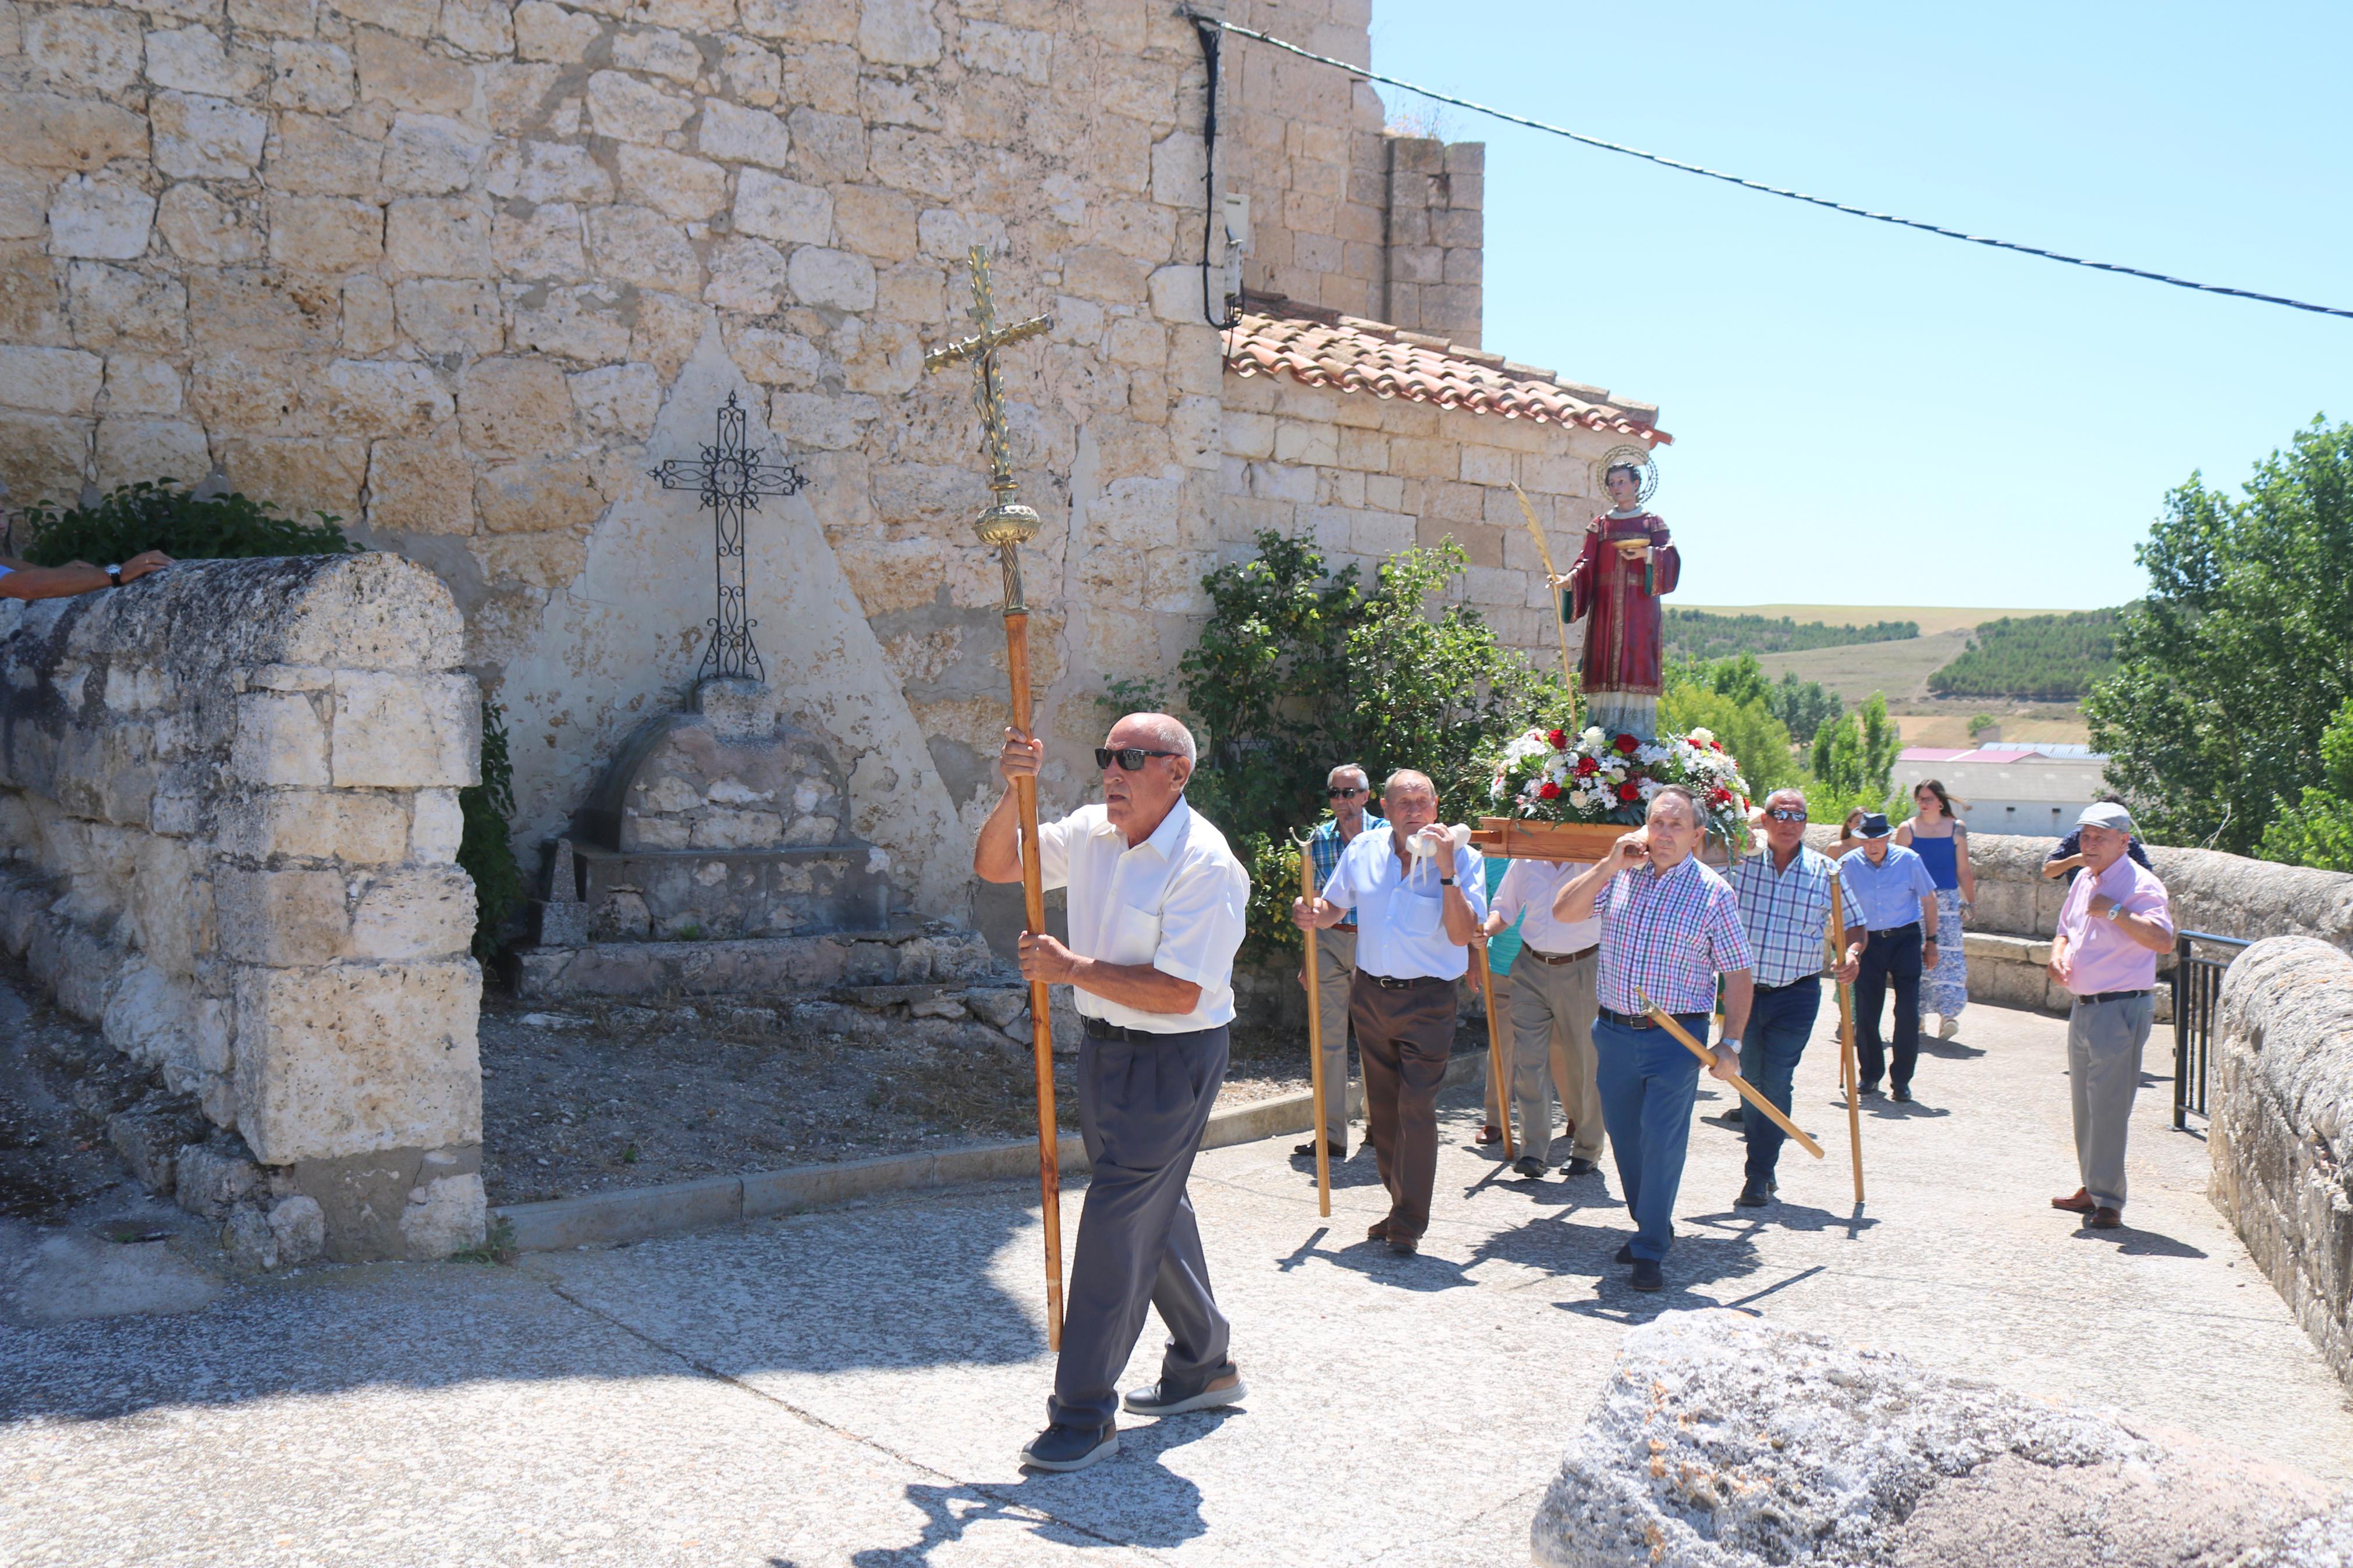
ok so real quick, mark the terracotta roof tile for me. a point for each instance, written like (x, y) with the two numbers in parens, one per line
(1323, 348)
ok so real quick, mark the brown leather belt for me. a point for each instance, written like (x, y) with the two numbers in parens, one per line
(1344, 925)
(1560, 957)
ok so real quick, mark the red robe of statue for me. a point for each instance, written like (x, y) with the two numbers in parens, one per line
(1620, 603)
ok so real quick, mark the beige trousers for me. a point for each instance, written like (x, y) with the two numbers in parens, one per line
(1335, 972)
(1552, 1011)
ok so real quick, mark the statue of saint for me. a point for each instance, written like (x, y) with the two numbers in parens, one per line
(1626, 566)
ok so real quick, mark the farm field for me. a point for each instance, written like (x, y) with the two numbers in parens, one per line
(1933, 618)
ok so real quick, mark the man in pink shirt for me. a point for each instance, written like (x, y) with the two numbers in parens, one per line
(2115, 920)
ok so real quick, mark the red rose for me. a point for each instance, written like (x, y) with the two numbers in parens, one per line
(1629, 790)
(1587, 766)
(1559, 738)
(1547, 790)
(1719, 795)
(1628, 745)
(1718, 745)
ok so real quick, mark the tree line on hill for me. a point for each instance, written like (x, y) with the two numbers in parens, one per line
(2038, 658)
(1704, 635)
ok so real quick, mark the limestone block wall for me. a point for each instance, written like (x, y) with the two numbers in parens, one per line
(1368, 476)
(228, 801)
(1436, 250)
(2281, 1135)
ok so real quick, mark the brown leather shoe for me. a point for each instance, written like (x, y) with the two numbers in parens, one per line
(2079, 1203)
(1491, 1134)
(2106, 1218)
(1404, 1245)
(1377, 1231)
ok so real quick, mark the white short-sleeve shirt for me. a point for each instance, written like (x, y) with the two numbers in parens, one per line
(1400, 924)
(1176, 901)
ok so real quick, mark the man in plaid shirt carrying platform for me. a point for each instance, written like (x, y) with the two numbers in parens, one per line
(1669, 927)
(1785, 908)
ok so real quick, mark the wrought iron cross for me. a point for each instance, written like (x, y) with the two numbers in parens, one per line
(1006, 524)
(731, 478)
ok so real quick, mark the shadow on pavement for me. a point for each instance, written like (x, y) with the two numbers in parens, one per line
(1160, 1508)
(2134, 1243)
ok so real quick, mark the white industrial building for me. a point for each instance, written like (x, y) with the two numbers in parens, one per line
(2008, 789)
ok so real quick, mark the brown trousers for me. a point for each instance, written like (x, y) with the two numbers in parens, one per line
(1404, 1034)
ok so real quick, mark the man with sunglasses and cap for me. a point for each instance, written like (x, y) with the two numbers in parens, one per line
(1891, 936)
(1157, 907)
(1418, 898)
(1785, 908)
(2117, 918)
(1348, 788)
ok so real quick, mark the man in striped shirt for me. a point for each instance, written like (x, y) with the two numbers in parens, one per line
(1669, 927)
(1784, 911)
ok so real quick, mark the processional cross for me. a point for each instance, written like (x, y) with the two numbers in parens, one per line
(731, 478)
(1007, 525)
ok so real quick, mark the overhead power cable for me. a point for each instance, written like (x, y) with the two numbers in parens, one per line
(1760, 187)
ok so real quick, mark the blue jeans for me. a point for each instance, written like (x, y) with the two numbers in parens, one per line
(1777, 1027)
(1648, 1082)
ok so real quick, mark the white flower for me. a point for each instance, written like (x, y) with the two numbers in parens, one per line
(1701, 737)
(1594, 738)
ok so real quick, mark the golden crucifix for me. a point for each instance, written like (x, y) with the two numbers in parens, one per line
(1007, 525)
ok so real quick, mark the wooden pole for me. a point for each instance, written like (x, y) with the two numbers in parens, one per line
(1315, 1045)
(1495, 1052)
(1850, 1070)
(1748, 1091)
(1042, 1011)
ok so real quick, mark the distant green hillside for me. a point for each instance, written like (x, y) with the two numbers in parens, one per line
(1702, 634)
(2041, 659)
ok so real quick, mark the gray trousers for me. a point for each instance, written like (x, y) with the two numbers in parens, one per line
(2104, 1052)
(1143, 1103)
(1553, 1007)
(1336, 971)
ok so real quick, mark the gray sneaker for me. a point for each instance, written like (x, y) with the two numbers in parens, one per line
(1061, 1447)
(1165, 1398)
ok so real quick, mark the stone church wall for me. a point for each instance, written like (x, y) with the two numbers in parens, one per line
(228, 805)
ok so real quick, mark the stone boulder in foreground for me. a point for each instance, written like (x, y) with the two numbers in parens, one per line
(1721, 1442)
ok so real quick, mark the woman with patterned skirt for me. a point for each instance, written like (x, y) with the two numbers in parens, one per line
(1942, 840)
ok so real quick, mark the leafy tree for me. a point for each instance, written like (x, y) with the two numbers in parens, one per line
(1981, 722)
(1732, 698)
(1298, 669)
(485, 844)
(161, 515)
(2042, 659)
(1851, 762)
(2317, 830)
(1804, 706)
(2232, 669)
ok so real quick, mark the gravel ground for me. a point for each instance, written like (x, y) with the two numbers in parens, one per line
(586, 1099)
(59, 1082)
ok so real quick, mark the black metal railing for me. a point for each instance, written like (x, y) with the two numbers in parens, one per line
(2197, 982)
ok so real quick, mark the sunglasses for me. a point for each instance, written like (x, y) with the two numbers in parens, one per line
(1345, 794)
(1131, 758)
(1783, 813)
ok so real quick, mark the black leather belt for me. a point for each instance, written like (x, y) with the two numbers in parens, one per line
(1630, 1020)
(1101, 1029)
(2110, 995)
(1527, 951)
(1792, 985)
(1896, 931)
(1388, 984)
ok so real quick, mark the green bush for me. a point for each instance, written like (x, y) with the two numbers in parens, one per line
(161, 515)
(1851, 762)
(1298, 669)
(486, 846)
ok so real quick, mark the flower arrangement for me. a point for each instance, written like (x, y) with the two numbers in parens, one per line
(1559, 776)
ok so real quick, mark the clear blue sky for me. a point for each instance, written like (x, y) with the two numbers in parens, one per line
(1868, 416)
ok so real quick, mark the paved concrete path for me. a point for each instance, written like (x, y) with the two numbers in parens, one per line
(849, 1388)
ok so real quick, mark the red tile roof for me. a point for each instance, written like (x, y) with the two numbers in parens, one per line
(1323, 348)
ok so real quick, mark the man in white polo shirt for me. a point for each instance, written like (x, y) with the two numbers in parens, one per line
(1553, 1007)
(1156, 908)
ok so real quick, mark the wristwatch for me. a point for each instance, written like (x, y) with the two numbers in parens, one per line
(2116, 912)
(114, 576)
(1446, 881)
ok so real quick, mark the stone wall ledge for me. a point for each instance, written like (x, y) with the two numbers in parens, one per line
(2280, 1131)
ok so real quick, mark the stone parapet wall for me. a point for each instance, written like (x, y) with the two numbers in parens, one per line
(228, 797)
(2281, 1133)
